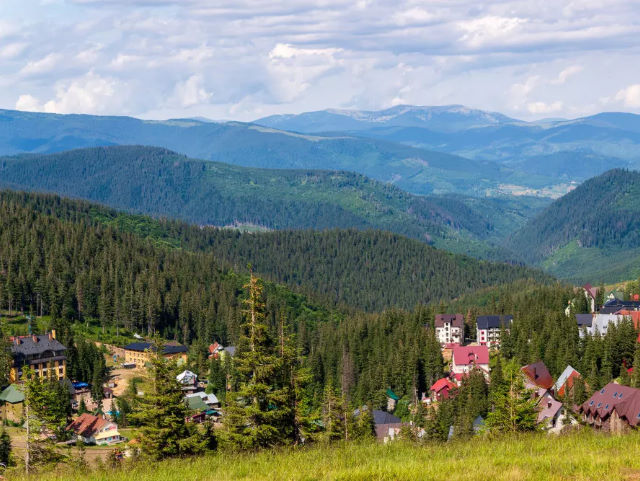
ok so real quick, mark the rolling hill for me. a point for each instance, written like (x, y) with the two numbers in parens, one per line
(592, 233)
(159, 182)
(367, 270)
(413, 169)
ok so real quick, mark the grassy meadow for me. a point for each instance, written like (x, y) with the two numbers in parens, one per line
(581, 456)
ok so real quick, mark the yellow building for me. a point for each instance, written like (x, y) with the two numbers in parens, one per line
(139, 353)
(44, 354)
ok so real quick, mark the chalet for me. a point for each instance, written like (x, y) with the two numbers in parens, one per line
(564, 384)
(466, 358)
(552, 415)
(209, 400)
(449, 328)
(42, 353)
(214, 350)
(488, 329)
(537, 378)
(387, 425)
(598, 410)
(94, 430)
(441, 389)
(139, 353)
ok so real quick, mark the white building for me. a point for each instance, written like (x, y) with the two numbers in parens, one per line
(488, 329)
(449, 328)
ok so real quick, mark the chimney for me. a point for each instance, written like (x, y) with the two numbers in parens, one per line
(17, 341)
(549, 403)
(50, 336)
(53, 333)
(34, 337)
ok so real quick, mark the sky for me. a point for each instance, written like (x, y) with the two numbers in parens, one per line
(245, 59)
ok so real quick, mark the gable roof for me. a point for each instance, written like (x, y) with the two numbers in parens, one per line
(538, 374)
(30, 345)
(592, 291)
(602, 402)
(392, 395)
(441, 384)
(584, 320)
(494, 322)
(566, 378)
(629, 408)
(383, 417)
(196, 403)
(465, 355)
(548, 407)
(144, 346)
(86, 425)
(12, 394)
(456, 320)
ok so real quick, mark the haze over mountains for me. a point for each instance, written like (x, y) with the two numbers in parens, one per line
(458, 167)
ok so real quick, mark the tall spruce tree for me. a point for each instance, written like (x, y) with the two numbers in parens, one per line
(258, 413)
(162, 414)
(514, 407)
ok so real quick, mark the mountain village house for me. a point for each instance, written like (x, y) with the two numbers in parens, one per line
(449, 328)
(613, 408)
(139, 353)
(94, 430)
(488, 329)
(466, 358)
(42, 353)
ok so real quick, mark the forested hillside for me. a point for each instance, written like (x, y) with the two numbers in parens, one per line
(162, 183)
(369, 270)
(592, 232)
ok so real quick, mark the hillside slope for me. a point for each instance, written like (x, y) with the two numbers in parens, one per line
(415, 170)
(591, 233)
(369, 270)
(162, 183)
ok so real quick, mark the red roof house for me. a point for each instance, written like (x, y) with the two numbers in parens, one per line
(537, 376)
(441, 389)
(466, 358)
(612, 408)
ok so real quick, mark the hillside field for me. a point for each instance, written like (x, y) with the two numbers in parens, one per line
(581, 456)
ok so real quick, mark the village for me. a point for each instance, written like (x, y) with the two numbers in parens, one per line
(95, 419)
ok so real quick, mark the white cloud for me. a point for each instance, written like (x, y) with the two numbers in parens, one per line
(630, 96)
(191, 91)
(480, 31)
(545, 108)
(89, 94)
(566, 73)
(28, 103)
(43, 65)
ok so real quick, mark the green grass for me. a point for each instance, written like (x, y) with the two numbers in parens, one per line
(581, 456)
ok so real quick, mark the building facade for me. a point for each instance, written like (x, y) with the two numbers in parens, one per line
(42, 353)
(449, 328)
(139, 353)
(488, 329)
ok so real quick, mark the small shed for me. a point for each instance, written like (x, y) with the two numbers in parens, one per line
(12, 399)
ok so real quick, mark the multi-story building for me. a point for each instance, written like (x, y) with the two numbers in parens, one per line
(488, 329)
(139, 353)
(42, 353)
(449, 328)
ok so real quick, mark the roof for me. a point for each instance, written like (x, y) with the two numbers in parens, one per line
(633, 315)
(87, 424)
(441, 384)
(195, 403)
(584, 320)
(602, 402)
(629, 408)
(187, 377)
(231, 350)
(144, 346)
(592, 291)
(548, 408)
(383, 417)
(615, 305)
(214, 347)
(494, 322)
(12, 394)
(392, 395)
(538, 374)
(567, 377)
(465, 355)
(206, 398)
(456, 320)
(30, 345)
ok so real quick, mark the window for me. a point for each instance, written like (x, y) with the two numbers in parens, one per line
(591, 403)
(615, 394)
(606, 406)
(602, 392)
(620, 396)
(599, 404)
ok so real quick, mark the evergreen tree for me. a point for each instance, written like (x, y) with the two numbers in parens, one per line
(5, 447)
(6, 360)
(162, 414)
(258, 413)
(514, 407)
(333, 420)
(635, 375)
